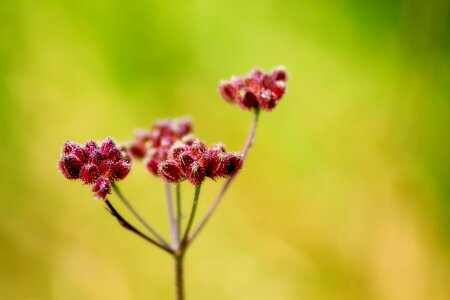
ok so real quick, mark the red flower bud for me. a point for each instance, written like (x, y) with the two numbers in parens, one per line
(89, 173)
(90, 147)
(170, 171)
(197, 174)
(256, 90)
(233, 163)
(186, 160)
(198, 148)
(137, 149)
(279, 74)
(110, 151)
(107, 169)
(102, 188)
(217, 162)
(70, 166)
(176, 150)
(121, 170)
(228, 91)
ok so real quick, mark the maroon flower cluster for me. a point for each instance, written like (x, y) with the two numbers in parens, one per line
(95, 165)
(256, 90)
(154, 145)
(173, 153)
(193, 161)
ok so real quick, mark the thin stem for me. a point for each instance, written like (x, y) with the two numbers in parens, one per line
(191, 217)
(248, 144)
(173, 221)
(178, 193)
(179, 280)
(138, 216)
(125, 224)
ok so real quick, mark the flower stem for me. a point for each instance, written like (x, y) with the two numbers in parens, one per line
(191, 217)
(248, 144)
(178, 194)
(179, 280)
(173, 221)
(138, 216)
(125, 224)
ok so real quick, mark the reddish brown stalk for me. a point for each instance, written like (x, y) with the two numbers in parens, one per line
(125, 224)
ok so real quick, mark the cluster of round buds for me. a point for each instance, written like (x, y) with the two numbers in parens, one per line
(95, 165)
(256, 90)
(154, 145)
(193, 161)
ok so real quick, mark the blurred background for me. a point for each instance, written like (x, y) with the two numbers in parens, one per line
(346, 194)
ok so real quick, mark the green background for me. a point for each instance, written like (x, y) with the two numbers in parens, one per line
(344, 196)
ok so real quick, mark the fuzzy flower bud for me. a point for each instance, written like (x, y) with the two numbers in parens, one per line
(256, 90)
(170, 171)
(102, 188)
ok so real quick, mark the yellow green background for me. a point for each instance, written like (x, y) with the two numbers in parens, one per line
(346, 194)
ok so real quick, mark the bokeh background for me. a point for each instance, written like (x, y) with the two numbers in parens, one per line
(346, 194)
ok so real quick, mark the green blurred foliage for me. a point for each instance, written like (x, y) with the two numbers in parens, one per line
(345, 194)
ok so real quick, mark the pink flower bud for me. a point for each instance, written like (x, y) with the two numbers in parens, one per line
(89, 173)
(197, 174)
(170, 171)
(102, 188)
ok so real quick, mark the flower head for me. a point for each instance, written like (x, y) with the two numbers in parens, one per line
(256, 90)
(95, 165)
(194, 162)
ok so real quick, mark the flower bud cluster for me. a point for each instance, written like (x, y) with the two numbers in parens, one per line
(95, 165)
(193, 161)
(154, 145)
(256, 90)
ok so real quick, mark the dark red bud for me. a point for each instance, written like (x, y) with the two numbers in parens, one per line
(152, 165)
(170, 171)
(186, 160)
(107, 169)
(121, 170)
(89, 173)
(176, 150)
(137, 149)
(279, 74)
(198, 148)
(90, 147)
(110, 151)
(102, 188)
(216, 165)
(188, 139)
(95, 157)
(228, 91)
(233, 163)
(183, 127)
(197, 174)
(70, 166)
(248, 99)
